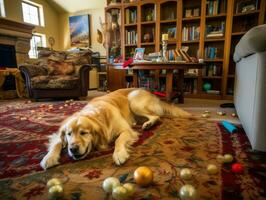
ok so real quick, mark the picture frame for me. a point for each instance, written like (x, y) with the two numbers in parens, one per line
(80, 35)
(243, 6)
(139, 54)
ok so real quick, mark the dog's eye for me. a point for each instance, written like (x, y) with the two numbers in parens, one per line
(83, 133)
(69, 134)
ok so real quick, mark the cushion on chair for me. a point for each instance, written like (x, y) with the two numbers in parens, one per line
(253, 41)
(60, 68)
(55, 82)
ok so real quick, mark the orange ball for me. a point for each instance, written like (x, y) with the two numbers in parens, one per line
(143, 176)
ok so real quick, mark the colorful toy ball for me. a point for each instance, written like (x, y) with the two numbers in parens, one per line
(220, 158)
(52, 182)
(120, 193)
(130, 188)
(186, 174)
(212, 169)
(187, 192)
(143, 176)
(228, 158)
(110, 183)
(55, 187)
(237, 168)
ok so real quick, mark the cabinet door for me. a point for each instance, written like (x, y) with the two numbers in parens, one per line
(116, 79)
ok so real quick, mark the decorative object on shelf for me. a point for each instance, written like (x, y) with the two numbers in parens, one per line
(243, 6)
(139, 54)
(165, 41)
(80, 30)
(51, 42)
(147, 37)
(188, 192)
(207, 86)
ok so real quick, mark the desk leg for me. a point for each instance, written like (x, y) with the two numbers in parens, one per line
(135, 78)
(181, 85)
(169, 84)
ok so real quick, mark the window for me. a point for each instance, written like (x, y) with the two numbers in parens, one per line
(2, 9)
(37, 40)
(32, 13)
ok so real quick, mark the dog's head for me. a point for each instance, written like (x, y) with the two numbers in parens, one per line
(81, 134)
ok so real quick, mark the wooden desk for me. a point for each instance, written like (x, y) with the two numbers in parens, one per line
(169, 67)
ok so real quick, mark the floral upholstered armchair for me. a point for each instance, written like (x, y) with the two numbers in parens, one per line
(58, 74)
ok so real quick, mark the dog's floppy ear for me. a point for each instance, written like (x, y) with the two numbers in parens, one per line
(62, 135)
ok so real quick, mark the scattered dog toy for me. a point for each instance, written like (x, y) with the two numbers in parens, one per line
(229, 127)
(237, 168)
(228, 158)
(186, 174)
(205, 115)
(221, 113)
(110, 183)
(55, 187)
(130, 188)
(143, 176)
(220, 158)
(233, 115)
(187, 192)
(212, 169)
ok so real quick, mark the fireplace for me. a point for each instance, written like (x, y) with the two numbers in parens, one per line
(8, 56)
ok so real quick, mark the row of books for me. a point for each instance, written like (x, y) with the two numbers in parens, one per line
(213, 31)
(190, 33)
(131, 37)
(192, 12)
(211, 52)
(213, 7)
(212, 70)
(177, 55)
(131, 16)
(190, 86)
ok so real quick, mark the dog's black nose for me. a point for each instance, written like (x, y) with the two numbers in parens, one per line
(74, 150)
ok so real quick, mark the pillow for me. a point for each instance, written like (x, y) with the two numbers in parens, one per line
(59, 68)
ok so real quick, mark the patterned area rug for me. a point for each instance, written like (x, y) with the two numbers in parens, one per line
(167, 148)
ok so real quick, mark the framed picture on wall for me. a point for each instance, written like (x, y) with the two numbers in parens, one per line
(80, 35)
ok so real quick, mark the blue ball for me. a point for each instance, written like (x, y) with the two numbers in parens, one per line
(207, 86)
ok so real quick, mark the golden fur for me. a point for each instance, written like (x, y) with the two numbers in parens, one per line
(105, 119)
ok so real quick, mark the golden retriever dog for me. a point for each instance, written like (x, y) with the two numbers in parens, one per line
(107, 119)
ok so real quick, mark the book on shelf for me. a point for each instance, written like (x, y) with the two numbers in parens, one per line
(211, 52)
(213, 7)
(213, 31)
(211, 70)
(190, 86)
(190, 33)
(131, 16)
(192, 12)
(131, 37)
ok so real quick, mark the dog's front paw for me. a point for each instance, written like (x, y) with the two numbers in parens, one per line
(120, 156)
(49, 161)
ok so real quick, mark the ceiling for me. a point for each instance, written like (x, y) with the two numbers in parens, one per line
(72, 6)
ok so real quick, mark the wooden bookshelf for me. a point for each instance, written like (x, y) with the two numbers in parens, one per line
(202, 17)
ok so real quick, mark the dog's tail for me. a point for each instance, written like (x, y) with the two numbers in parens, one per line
(170, 109)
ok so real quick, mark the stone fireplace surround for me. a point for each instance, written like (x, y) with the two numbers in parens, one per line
(18, 35)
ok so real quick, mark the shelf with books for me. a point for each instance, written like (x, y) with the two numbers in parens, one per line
(246, 6)
(190, 42)
(191, 10)
(170, 29)
(131, 15)
(215, 7)
(190, 33)
(215, 29)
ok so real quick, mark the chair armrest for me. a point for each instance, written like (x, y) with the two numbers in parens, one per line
(32, 70)
(84, 74)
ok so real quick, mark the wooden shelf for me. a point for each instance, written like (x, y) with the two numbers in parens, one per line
(130, 45)
(212, 77)
(133, 24)
(148, 22)
(247, 13)
(239, 33)
(148, 43)
(187, 19)
(168, 21)
(167, 14)
(190, 41)
(221, 15)
(214, 40)
(214, 60)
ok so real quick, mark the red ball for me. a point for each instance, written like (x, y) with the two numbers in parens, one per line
(237, 168)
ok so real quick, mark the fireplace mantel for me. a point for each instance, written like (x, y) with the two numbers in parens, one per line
(16, 34)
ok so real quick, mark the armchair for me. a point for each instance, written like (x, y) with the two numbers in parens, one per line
(58, 75)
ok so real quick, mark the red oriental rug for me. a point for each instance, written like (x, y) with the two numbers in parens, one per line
(167, 148)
